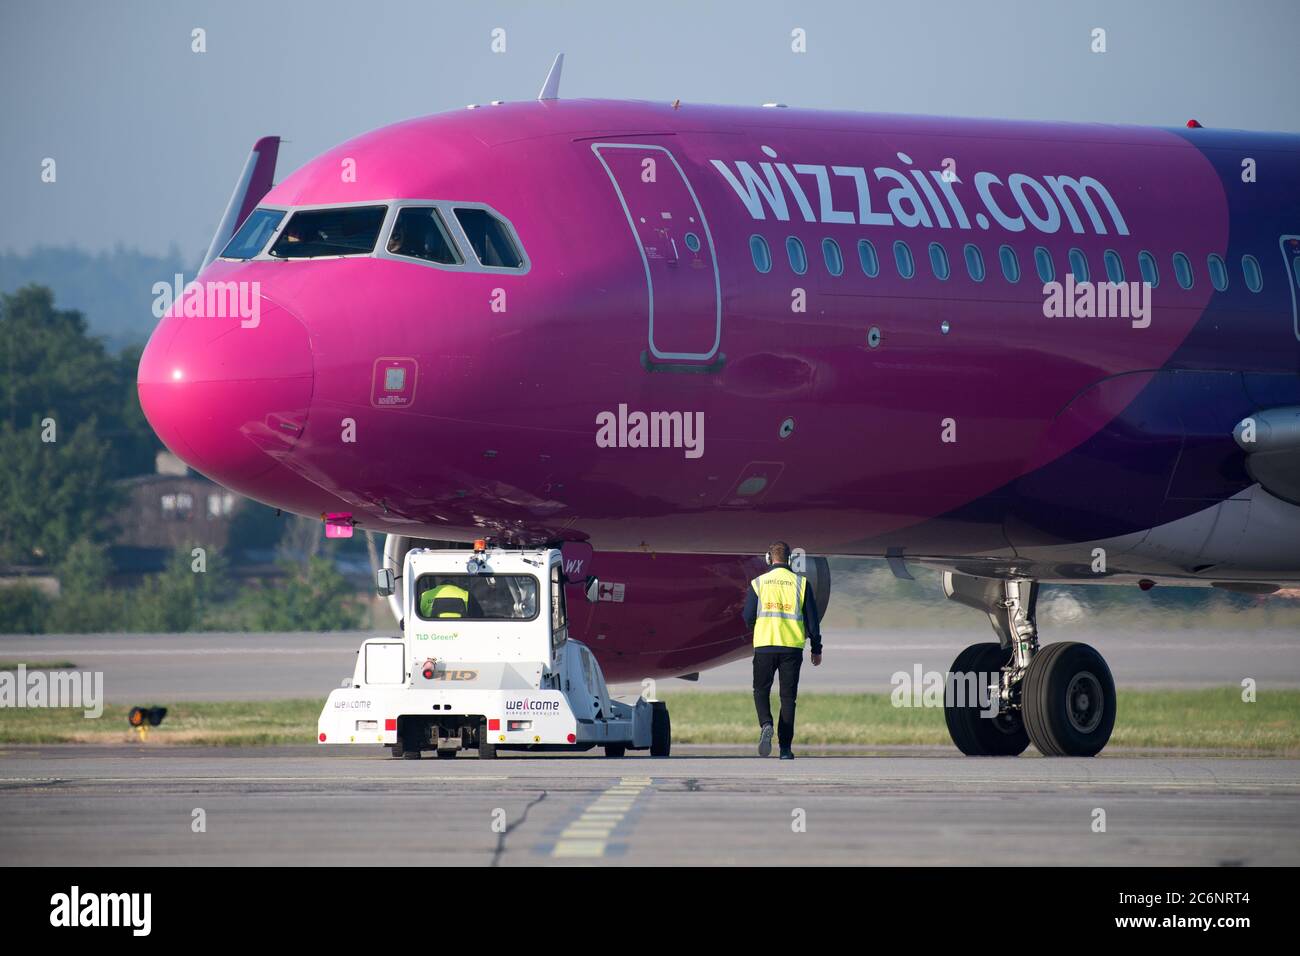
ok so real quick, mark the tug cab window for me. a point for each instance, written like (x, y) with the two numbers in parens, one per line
(490, 239)
(421, 234)
(350, 231)
(559, 610)
(486, 597)
(253, 235)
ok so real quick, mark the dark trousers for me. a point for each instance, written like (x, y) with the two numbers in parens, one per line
(766, 666)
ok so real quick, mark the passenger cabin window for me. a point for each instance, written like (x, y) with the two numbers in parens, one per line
(1078, 265)
(761, 254)
(1147, 266)
(1114, 266)
(1010, 264)
(903, 259)
(939, 261)
(490, 239)
(834, 258)
(1250, 269)
(1183, 270)
(1043, 263)
(1218, 272)
(420, 233)
(974, 261)
(798, 258)
(867, 258)
(349, 231)
(254, 234)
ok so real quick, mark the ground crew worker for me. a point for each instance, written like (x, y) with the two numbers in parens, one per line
(782, 610)
(450, 591)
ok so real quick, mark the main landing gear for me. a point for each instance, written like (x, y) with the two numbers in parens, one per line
(1002, 696)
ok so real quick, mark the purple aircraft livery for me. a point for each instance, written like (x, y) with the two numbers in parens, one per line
(663, 335)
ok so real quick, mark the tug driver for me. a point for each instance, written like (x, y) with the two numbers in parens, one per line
(448, 600)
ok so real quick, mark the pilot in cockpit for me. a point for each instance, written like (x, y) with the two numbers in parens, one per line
(396, 240)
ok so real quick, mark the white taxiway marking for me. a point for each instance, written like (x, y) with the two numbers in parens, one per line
(588, 835)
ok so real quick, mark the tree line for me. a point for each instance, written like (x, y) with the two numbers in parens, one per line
(71, 428)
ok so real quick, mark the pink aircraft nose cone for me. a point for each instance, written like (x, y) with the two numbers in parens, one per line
(229, 400)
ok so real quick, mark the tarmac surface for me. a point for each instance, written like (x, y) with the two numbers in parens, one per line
(162, 668)
(132, 805)
(89, 806)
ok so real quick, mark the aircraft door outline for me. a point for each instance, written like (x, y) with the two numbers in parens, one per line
(671, 260)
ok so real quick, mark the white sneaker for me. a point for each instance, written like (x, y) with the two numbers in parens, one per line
(765, 741)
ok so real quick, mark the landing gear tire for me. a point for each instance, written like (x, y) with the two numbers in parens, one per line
(661, 729)
(615, 750)
(974, 734)
(1068, 700)
(446, 755)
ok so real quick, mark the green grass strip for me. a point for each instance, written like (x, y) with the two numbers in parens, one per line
(1216, 720)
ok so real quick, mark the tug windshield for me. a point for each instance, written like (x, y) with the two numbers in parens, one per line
(488, 597)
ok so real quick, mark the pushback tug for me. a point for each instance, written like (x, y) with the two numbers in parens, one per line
(484, 662)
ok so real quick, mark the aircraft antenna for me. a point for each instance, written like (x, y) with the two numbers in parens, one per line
(551, 88)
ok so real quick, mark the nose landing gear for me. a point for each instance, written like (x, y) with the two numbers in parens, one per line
(1001, 697)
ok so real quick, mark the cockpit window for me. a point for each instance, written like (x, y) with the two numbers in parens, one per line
(490, 238)
(253, 235)
(349, 231)
(421, 234)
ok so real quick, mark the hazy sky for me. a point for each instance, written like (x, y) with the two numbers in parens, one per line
(149, 137)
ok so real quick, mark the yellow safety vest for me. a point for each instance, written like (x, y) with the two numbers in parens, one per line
(443, 591)
(780, 608)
